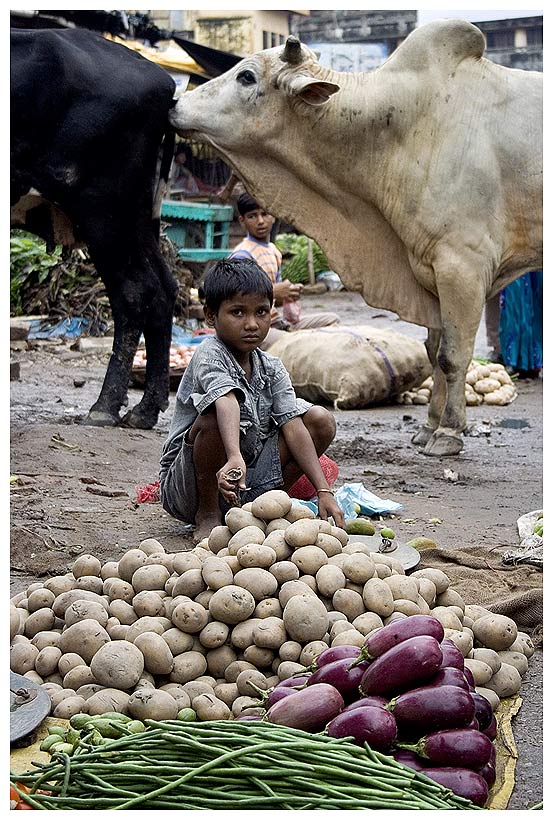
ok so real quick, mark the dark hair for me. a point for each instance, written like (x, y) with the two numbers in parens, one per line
(227, 277)
(246, 203)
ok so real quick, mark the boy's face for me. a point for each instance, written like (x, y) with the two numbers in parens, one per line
(241, 322)
(258, 224)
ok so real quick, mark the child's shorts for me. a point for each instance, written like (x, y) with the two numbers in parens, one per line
(179, 494)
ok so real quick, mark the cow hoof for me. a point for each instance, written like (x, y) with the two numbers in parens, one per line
(100, 418)
(423, 436)
(443, 444)
(138, 421)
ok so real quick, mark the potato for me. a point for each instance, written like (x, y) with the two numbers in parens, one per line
(439, 578)
(298, 511)
(238, 519)
(242, 634)
(424, 609)
(516, 659)
(41, 620)
(305, 617)
(109, 570)
(69, 661)
(526, 645)
(47, 638)
(260, 583)
(93, 583)
(40, 599)
(190, 617)
(227, 692)
(451, 598)
(152, 703)
(290, 651)
(233, 604)
(117, 589)
(277, 541)
(446, 616)
(177, 640)
(194, 688)
(246, 705)
(329, 579)
(149, 577)
(495, 632)
(309, 559)
(86, 637)
(350, 637)
(269, 633)
(86, 565)
(285, 669)
(79, 676)
(311, 651)
(427, 590)
(233, 563)
(359, 568)
(277, 525)
(248, 680)
(302, 533)
(151, 546)
(284, 571)
(357, 547)
(190, 583)
(256, 555)
(129, 562)
(233, 670)
(218, 538)
(291, 588)
(216, 573)
(490, 696)
(118, 665)
(248, 535)
(377, 597)
(188, 666)
(108, 700)
(46, 662)
(148, 603)
(218, 659)
(259, 656)
(463, 639)
(403, 587)
(68, 707)
(272, 504)
(268, 608)
(117, 632)
(22, 657)
(382, 571)
(339, 626)
(89, 689)
(59, 695)
(480, 670)
(348, 602)
(79, 610)
(146, 679)
(158, 658)
(506, 682)
(183, 561)
(489, 656)
(148, 624)
(60, 583)
(367, 622)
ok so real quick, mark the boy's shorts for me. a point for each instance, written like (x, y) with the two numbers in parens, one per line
(179, 494)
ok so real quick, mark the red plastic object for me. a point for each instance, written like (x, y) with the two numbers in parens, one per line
(148, 494)
(304, 489)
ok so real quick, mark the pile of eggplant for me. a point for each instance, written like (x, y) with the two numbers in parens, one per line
(407, 693)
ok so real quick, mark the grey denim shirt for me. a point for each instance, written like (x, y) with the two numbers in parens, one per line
(266, 402)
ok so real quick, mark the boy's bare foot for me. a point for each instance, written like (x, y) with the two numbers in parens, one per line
(204, 525)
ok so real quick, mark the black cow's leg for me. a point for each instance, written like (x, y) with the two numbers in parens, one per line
(158, 320)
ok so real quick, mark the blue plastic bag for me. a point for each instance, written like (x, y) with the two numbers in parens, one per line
(348, 495)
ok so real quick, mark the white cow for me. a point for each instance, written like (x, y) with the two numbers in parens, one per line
(422, 180)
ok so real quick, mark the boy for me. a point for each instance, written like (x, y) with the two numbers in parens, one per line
(257, 245)
(236, 409)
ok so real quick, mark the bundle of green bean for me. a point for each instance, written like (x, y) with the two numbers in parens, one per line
(220, 765)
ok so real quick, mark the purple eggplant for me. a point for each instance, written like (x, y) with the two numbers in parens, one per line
(469, 676)
(409, 759)
(368, 724)
(466, 748)
(309, 709)
(334, 653)
(491, 731)
(410, 663)
(449, 676)
(249, 717)
(473, 724)
(370, 700)
(296, 680)
(430, 708)
(340, 675)
(488, 773)
(452, 656)
(483, 710)
(277, 694)
(462, 782)
(389, 636)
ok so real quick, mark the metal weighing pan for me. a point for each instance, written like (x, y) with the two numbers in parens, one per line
(29, 705)
(407, 556)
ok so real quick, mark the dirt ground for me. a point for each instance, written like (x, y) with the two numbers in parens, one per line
(76, 485)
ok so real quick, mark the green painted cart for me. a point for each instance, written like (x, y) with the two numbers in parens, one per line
(199, 230)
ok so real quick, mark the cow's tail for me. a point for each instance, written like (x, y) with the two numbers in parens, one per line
(168, 149)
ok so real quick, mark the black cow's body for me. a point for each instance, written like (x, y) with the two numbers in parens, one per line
(88, 118)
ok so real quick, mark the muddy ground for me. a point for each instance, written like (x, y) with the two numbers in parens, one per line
(76, 487)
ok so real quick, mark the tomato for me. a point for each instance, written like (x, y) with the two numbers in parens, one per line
(22, 806)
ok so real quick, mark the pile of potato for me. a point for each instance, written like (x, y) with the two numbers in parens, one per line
(484, 383)
(251, 605)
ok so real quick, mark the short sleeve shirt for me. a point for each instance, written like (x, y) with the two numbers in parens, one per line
(266, 402)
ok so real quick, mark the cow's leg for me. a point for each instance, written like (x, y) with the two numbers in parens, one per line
(461, 314)
(439, 390)
(158, 323)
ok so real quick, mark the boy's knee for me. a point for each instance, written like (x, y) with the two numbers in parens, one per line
(321, 421)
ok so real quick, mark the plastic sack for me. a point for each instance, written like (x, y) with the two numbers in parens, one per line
(350, 495)
(291, 311)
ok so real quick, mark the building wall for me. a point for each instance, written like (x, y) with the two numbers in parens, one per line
(516, 43)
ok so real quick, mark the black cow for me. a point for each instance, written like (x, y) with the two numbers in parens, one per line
(88, 119)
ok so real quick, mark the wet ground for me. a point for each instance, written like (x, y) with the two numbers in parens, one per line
(76, 490)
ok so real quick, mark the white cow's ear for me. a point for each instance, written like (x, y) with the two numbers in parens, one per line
(311, 90)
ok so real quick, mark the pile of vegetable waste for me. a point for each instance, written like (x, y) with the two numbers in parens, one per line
(221, 765)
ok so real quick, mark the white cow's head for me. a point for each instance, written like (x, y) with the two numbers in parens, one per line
(250, 104)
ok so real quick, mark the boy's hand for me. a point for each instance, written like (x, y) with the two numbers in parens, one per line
(287, 290)
(228, 488)
(328, 507)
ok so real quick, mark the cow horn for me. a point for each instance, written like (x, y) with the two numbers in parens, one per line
(292, 51)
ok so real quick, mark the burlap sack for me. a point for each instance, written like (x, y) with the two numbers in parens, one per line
(352, 367)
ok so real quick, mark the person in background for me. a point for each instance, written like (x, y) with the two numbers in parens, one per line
(521, 325)
(236, 409)
(257, 245)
